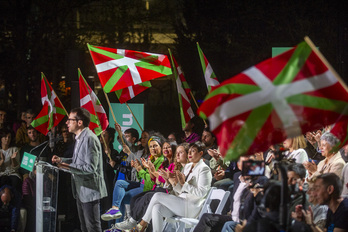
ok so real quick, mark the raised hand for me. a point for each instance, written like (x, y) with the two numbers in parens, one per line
(145, 163)
(14, 155)
(180, 177)
(151, 167)
(214, 153)
(310, 166)
(219, 175)
(308, 215)
(297, 215)
(310, 137)
(137, 165)
(163, 173)
(126, 149)
(2, 158)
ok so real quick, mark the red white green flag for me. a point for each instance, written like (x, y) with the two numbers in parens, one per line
(282, 97)
(126, 94)
(52, 111)
(340, 130)
(89, 101)
(209, 75)
(186, 111)
(120, 68)
(184, 83)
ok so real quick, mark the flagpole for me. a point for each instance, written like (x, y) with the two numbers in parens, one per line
(106, 146)
(113, 115)
(322, 58)
(134, 117)
(205, 123)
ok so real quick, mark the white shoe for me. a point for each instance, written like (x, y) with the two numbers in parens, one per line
(126, 225)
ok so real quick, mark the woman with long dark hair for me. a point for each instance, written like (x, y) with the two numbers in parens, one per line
(9, 162)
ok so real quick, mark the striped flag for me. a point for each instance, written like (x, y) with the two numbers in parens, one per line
(340, 130)
(118, 68)
(126, 94)
(184, 83)
(209, 75)
(52, 111)
(186, 112)
(89, 101)
(281, 97)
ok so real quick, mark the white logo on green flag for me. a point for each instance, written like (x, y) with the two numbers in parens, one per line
(28, 161)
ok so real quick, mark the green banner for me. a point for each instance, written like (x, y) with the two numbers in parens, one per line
(126, 119)
(28, 161)
(278, 50)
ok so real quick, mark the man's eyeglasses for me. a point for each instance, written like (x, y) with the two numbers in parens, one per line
(72, 119)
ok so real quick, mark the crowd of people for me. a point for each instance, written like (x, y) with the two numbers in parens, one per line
(154, 178)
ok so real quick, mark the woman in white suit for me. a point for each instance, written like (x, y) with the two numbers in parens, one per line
(190, 186)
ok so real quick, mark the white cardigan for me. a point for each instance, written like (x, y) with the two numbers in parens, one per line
(300, 155)
(195, 189)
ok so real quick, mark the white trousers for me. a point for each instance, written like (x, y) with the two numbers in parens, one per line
(163, 205)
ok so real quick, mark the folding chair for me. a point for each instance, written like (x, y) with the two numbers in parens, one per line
(214, 194)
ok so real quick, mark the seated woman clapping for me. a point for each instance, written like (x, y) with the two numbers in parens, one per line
(296, 150)
(125, 190)
(333, 161)
(190, 188)
(140, 202)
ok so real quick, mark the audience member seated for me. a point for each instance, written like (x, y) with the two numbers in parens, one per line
(190, 190)
(19, 122)
(3, 122)
(190, 135)
(172, 138)
(9, 208)
(268, 210)
(327, 190)
(9, 162)
(210, 142)
(130, 137)
(241, 199)
(140, 202)
(296, 150)
(125, 190)
(312, 148)
(129, 142)
(65, 146)
(319, 211)
(296, 178)
(344, 177)
(344, 153)
(142, 152)
(332, 162)
(36, 148)
(22, 134)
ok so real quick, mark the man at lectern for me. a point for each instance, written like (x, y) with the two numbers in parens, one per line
(86, 166)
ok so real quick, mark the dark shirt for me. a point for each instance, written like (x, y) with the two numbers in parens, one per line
(64, 149)
(194, 137)
(9, 216)
(43, 151)
(206, 155)
(339, 218)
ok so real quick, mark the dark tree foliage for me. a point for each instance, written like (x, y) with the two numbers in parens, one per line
(235, 35)
(50, 36)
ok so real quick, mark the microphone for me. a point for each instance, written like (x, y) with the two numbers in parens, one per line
(38, 146)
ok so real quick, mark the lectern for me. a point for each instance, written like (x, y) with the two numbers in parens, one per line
(47, 177)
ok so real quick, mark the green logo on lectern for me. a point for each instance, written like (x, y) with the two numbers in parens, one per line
(28, 161)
